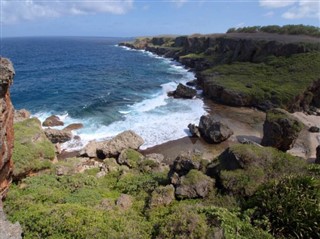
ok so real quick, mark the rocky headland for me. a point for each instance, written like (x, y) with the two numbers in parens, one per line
(222, 182)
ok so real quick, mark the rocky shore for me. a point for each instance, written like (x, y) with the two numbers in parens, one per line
(222, 182)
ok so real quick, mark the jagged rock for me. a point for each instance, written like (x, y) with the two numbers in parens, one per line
(162, 196)
(90, 150)
(183, 91)
(314, 129)
(20, 115)
(125, 140)
(154, 163)
(72, 166)
(194, 185)
(6, 126)
(130, 158)
(318, 155)
(58, 136)
(74, 126)
(194, 130)
(192, 83)
(280, 129)
(248, 141)
(213, 131)
(9, 230)
(182, 165)
(52, 121)
(124, 201)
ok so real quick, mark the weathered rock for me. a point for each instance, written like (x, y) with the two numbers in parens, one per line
(58, 136)
(194, 185)
(194, 130)
(72, 166)
(162, 196)
(183, 91)
(124, 201)
(213, 131)
(314, 129)
(74, 126)
(154, 163)
(280, 129)
(9, 230)
(6, 126)
(90, 150)
(183, 164)
(20, 115)
(52, 121)
(130, 158)
(125, 140)
(192, 83)
(318, 155)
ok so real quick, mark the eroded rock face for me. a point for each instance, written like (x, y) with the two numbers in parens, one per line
(21, 115)
(280, 129)
(58, 136)
(6, 126)
(318, 155)
(125, 140)
(52, 121)
(213, 131)
(183, 91)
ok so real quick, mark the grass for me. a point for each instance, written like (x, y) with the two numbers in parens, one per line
(279, 79)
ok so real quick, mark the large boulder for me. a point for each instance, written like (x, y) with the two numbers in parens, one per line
(318, 155)
(90, 150)
(52, 121)
(162, 196)
(20, 115)
(280, 129)
(125, 140)
(9, 230)
(183, 164)
(58, 136)
(212, 130)
(130, 158)
(73, 126)
(183, 91)
(195, 184)
(194, 130)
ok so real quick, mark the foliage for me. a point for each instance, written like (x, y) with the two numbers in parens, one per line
(292, 206)
(278, 79)
(32, 150)
(286, 29)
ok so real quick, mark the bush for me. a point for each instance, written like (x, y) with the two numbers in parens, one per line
(292, 205)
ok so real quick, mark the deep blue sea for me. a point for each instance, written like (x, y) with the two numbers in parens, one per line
(106, 87)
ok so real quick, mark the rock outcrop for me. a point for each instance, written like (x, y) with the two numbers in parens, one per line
(52, 121)
(162, 196)
(6, 126)
(212, 130)
(183, 91)
(125, 140)
(58, 136)
(20, 115)
(280, 129)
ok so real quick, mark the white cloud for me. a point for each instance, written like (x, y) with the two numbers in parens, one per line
(269, 14)
(276, 3)
(305, 9)
(295, 9)
(17, 11)
(179, 3)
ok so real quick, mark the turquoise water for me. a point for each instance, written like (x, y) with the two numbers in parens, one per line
(106, 87)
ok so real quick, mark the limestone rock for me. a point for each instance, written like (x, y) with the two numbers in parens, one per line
(314, 129)
(183, 91)
(318, 155)
(213, 131)
(125, 140)
(182, 165)
(90, 150)
(124, 201)
(154, 163)
(74, 126)
(130, 158)
(280, 129)
(194, 130)
(194, 185)
(162, 196)
(52, 121)
(20, 115)
(58, 136)
(9, 230)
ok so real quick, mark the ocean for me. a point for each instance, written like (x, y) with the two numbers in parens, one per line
(107, 88)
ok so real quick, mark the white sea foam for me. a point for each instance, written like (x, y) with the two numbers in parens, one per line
(157, 119)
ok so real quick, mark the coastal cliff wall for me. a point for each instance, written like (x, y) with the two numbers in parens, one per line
(262, 70)
(6, 126)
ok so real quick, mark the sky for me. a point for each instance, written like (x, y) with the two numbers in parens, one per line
(131, 18)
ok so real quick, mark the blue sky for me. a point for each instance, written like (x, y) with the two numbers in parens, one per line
(141, 17)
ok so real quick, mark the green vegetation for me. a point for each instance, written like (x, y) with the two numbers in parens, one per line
(286, 29)
(279, 79)
(32, 150)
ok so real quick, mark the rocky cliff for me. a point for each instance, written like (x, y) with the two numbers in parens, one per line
(6, 126)
(245, 69)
